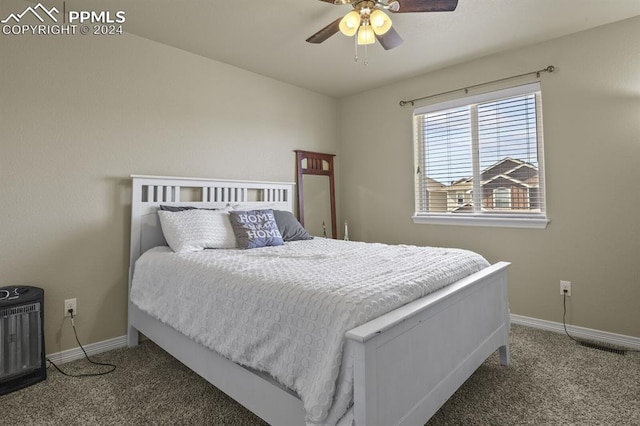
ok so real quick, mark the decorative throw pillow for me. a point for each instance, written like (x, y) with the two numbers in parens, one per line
(289, 227)
(255, 228)
(197, 229)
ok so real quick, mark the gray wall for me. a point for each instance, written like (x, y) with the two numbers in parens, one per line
(591, 109)
(78, 115)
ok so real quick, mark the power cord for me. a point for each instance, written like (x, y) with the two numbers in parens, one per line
(583, 342)
(111, 370)
(564, 314)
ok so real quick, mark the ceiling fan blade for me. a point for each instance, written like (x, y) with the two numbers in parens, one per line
(390, 39)
(326, 32)
(407, 6)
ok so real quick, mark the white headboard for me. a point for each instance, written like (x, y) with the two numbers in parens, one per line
(149, 192)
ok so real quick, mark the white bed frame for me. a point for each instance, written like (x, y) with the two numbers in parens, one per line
(407, 363)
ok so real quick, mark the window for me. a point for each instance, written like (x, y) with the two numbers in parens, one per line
(502, 198)
(487, 147)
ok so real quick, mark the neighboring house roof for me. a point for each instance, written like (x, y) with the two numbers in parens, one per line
(466, 207)
(508, 170)
(433, 184)
(501, 180)
(501, 167)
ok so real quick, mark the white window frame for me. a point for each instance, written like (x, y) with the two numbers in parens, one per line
(509, 220)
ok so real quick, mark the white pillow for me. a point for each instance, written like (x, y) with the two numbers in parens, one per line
(195, 230)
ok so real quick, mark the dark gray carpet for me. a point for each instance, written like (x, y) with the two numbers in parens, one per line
(551, 381)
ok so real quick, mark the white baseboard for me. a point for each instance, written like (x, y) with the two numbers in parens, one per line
(91, 349)
(579, 332)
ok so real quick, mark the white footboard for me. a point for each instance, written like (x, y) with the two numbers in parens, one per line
(410, 361)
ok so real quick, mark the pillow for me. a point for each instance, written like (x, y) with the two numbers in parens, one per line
(176, 208)
(255, 228)
(183, 208)
(289, 227)
(196, 229)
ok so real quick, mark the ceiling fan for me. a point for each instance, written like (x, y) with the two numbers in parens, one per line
(370, 23)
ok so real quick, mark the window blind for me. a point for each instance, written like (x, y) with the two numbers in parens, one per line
(481, 155)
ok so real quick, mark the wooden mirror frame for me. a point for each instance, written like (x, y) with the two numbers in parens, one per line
(315, 166)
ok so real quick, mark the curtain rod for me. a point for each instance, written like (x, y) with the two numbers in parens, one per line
(550, 68)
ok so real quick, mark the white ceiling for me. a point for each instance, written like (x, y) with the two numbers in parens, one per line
(268, 37)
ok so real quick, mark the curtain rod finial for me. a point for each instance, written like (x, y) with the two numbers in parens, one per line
(550, 68)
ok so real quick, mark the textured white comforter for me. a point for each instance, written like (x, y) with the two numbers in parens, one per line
(285, 310)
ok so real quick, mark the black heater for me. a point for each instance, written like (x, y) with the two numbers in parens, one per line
(22, 355)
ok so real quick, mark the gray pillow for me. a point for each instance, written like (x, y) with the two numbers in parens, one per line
(255, 228)
(182, 208)
(289, 227)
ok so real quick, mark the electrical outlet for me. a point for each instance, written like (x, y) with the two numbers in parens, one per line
(70, 304)
(565, 288)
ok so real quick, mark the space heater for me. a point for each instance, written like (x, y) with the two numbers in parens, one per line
(22, 355)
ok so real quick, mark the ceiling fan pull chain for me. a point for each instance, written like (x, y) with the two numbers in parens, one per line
(355, 48)
(366, 56)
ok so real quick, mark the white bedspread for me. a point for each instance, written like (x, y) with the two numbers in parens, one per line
(285, 310)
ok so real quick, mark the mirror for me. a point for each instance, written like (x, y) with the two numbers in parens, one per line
(316, 193)
(317, 205)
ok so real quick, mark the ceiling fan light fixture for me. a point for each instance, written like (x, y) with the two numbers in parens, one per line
(366, 35)
(380, 22)
(350, 23)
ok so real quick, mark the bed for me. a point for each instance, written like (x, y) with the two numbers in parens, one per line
(404, 364)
